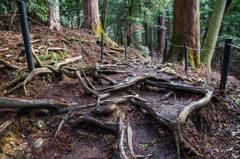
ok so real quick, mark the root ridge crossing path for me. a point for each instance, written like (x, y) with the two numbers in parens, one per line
(121, 91)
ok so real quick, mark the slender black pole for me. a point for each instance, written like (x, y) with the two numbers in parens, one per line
(126, 51)
(226, 59)
(102, 47)
(186, 56)
(25, 33)
(165, 51)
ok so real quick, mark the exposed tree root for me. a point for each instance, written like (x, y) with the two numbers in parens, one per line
(111, 127)
(121, 138)
(24, 104)
(84, 85)
(176, 125)
(4, 126)
(114, 101)
(15, 81)
(67, 61)
(34, 72)
(104, 110)
(8, 65)
(129, 82)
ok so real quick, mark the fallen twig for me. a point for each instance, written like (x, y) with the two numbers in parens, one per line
(5, 126)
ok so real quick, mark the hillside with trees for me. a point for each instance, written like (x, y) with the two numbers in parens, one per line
(119, 79)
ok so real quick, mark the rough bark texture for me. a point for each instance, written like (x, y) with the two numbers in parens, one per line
(129, 27)
(212, 34)
(186, 29)
(91, 13)
(104, 15)
(150, 44)
(92, 21)
(161, 34)
(54, 15)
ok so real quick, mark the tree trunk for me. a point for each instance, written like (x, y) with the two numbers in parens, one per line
(150, 39)
(54, 15)
(78, 14)
(186, 29)
(92, 21)
(168, 24)
(146, 32)
(104, 15)
(130, 31)
(161, 34)
(90, 13)
(212, 34)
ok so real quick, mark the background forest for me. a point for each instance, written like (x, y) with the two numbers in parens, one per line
(139, 22)
(123, 97)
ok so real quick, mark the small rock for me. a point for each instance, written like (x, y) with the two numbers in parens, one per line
(28, 156)
(40, 123)
(12, 143)
(38, 143)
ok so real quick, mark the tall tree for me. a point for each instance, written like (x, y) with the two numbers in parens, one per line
(54, 15)
(129, 26)
(91, 14)
(212, 34)
(92, 21)
(161, 33)
(186, 29)
(104, 15)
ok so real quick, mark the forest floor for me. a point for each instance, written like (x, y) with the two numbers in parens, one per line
(32, 132)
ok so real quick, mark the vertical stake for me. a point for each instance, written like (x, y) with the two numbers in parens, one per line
(165, 51)
(25, 33)
(226, 59)
(186, 56)
(126, 51)
(102, 46)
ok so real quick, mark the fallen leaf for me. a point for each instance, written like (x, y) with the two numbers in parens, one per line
(63, 101)
(64, 117)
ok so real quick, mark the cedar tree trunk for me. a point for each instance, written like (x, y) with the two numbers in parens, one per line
(54, 15)
(104, 14)
(92, 21)
(161, 34)
(186, 29)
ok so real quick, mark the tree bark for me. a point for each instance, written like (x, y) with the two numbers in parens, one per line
(186, 29)
(212, 34)
(146, 32)
(161, 34)
(90, 13)
(150, 39)
(54, 15)
(104, 15)
(92, 21)
(129, 27)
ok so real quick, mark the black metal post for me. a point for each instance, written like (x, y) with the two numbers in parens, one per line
(186, 56)
(25, 33)
(226, 59)
(102, 39)
(126, 51)
(165, 51)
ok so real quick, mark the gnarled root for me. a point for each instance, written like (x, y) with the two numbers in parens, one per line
(4, 126)
(32, 104)
(111, 127)
(175, 125)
